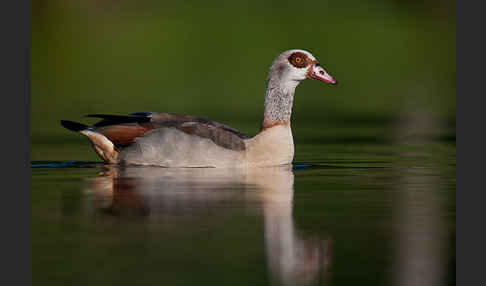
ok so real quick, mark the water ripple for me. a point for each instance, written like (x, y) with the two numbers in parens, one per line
(64, 164)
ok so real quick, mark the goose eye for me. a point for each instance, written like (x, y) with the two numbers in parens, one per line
(298, 60)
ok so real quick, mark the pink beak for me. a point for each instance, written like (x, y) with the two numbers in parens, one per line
(317, 72)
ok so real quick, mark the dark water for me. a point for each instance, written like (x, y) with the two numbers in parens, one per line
(351, 211)
(370, 199)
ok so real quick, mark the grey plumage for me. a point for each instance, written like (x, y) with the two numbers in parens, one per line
(174, 140)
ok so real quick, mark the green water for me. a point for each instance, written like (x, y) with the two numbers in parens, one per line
(355, 209)
(370, 199)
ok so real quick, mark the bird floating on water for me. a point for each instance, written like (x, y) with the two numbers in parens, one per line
(172, 140)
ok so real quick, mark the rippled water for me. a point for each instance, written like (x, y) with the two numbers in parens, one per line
(347, 213)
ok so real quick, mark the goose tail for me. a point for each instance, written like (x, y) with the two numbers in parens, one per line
(102, 145)
(74, 126)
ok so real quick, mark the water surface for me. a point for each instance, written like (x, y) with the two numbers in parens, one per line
(370, 199)
(369, 212)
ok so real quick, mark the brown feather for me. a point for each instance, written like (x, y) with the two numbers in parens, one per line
(122, 134)
(219, 135)
(164, 117)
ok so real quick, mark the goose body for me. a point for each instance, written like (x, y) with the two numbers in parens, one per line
(171, 140)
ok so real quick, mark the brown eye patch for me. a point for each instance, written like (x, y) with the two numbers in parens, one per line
(299, 60)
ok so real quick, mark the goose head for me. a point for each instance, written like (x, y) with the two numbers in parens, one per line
(298, 65)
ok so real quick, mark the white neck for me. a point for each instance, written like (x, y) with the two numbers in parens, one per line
(279, 98)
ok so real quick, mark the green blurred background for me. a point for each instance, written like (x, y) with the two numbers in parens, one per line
(369, 193)
(392, 58)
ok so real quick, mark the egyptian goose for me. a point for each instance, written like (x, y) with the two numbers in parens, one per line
(170, 140)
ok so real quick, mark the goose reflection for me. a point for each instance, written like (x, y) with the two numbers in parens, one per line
(162, 194)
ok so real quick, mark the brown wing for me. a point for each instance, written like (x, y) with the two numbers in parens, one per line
(123, 134)
(164, 118)
(123, 130)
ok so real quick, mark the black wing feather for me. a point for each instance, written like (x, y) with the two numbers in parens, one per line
(109, 119)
